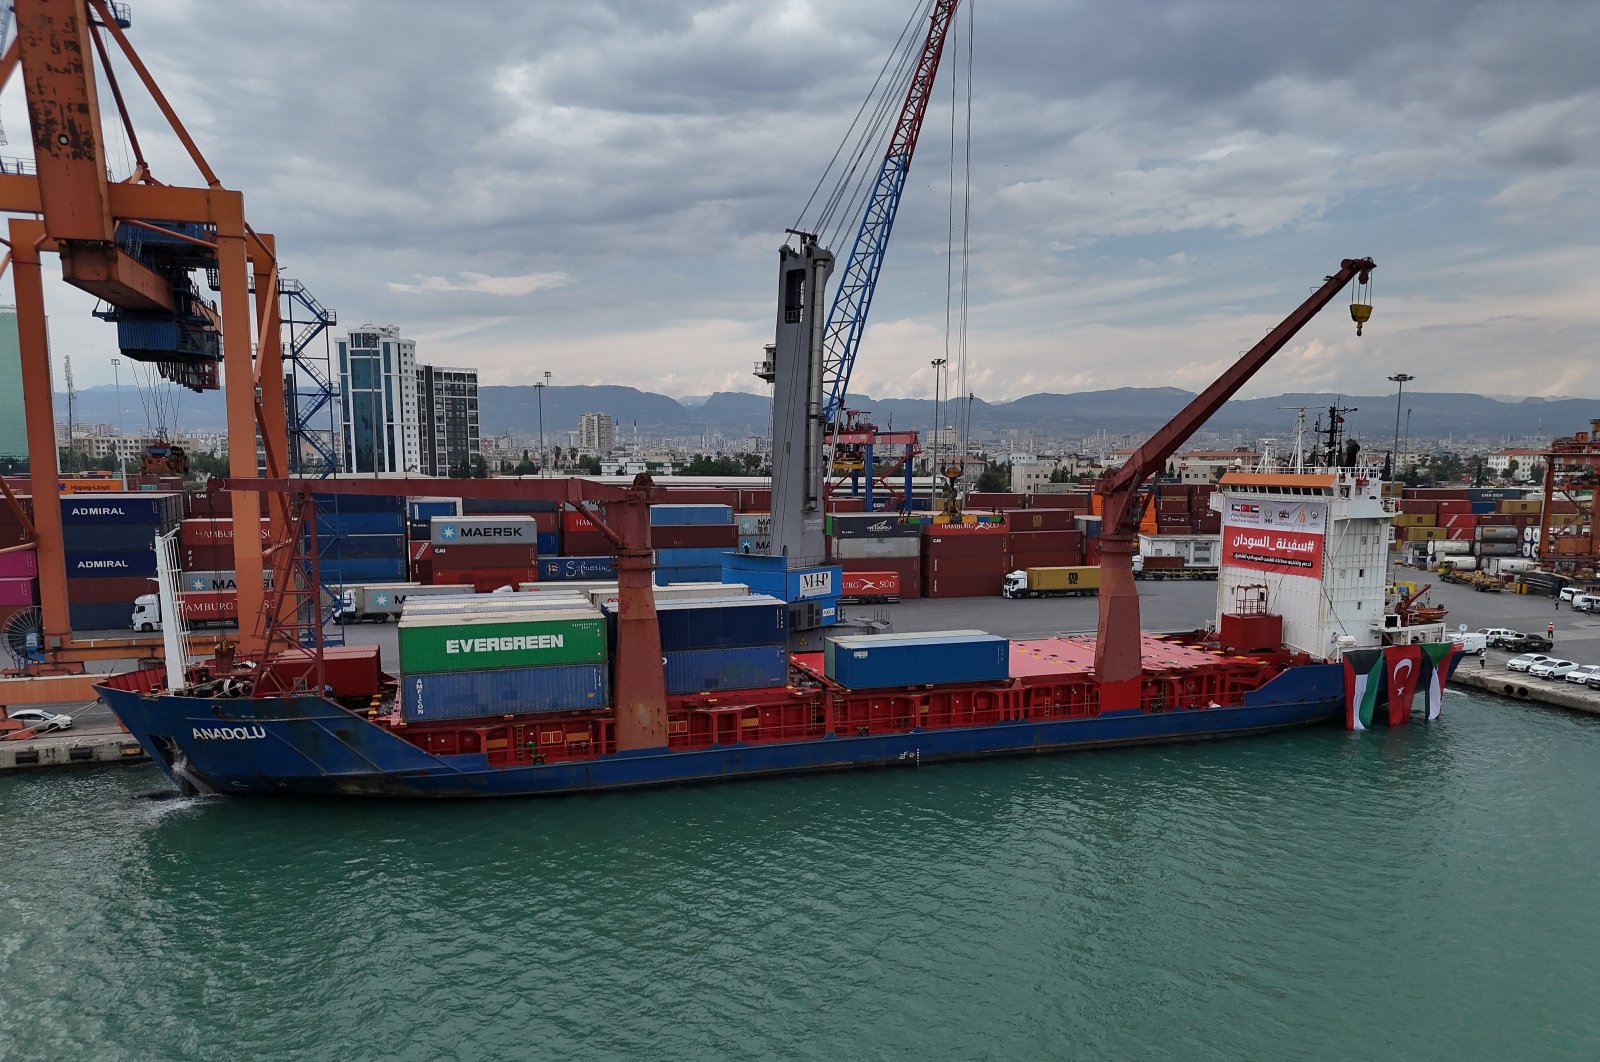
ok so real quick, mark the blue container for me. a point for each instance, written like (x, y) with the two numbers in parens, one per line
(336, 548)
(772, 575)
(361, 524)
(486, 506)
(363, 570)
(876, 661)
(748, 668)
(98, 617)
(562, 569)
(331, 504)
(680, 515)
(698, 557)
(81, 537)
(423, 511)
(110, 564)
(1482, 508)
(145, 509)
(548, 542)
(721, 623)
(512, 691)
(668, 576)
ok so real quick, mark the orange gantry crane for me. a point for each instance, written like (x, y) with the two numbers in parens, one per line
(133, 243)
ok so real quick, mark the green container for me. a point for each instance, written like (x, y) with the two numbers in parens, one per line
(495, 641)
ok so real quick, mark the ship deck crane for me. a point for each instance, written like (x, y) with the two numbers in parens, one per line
(1117, 661)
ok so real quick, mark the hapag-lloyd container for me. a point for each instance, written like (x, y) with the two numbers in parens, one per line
(539, 638)
(741, 668)
(876, 661)
(483, 530)
(509, 691)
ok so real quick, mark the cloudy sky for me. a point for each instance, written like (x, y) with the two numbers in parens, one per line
(599, 189)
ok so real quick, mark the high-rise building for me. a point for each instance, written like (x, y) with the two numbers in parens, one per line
(13, 425)
(597, 432)
(379, 429)
(447, 413)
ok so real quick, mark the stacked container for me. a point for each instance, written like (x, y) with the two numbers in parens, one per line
(19, 572)
(1043, 538)
(110, 547)
(880, 661)
(361, 539)
(484, 552)
(725, 643)
(755, 532)
(880, 543)
(468, 666)
(964, 560)
(690, 540)
(546, 518)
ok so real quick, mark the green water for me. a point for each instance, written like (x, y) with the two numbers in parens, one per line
(1419, 894)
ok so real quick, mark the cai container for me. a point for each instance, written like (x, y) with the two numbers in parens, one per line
(878, 661)
(505, 691)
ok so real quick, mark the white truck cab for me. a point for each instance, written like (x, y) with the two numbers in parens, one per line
(146, 613)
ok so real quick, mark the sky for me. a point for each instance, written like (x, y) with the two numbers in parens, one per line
(598, 190)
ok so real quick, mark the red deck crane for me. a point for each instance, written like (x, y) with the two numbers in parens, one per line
(1117, 662)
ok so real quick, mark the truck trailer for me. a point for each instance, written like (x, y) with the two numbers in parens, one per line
(1081, 581)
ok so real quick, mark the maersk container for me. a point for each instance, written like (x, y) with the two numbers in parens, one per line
(754, 524)
(508, 691)
(538, 638)
(745, 668)
(680, 514)
(876, 661)
(561, 569)
(110, 564)
(483, 531)
(719, 623)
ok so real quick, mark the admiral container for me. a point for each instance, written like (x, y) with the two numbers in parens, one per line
(501, 640)
(571, 568)
(681, 514)
(98, 616)
(483, 530)
(879, 661)
(146, 509)
(507, 691)
(110, 564)
(742, 668)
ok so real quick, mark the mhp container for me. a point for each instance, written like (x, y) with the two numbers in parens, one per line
(751, 667)
(457, 642)
(511, 691)
(873, 661)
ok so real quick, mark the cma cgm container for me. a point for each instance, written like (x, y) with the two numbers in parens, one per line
(501, 640)
(510, 691)
(876, 661)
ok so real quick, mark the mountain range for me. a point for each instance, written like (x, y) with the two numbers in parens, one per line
(1130, 411)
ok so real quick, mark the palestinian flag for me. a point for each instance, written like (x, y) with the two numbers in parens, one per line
(1363, 683)
(1436, 659)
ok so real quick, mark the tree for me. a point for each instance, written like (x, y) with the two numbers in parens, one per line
(1511, 468)
(995, 479)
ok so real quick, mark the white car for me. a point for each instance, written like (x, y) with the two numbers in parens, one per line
(1493, 634)
(39, 720)
(1552, 668)
(1526, 660)
(1583, 674)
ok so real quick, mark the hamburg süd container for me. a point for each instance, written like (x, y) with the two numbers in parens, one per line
(750, 667)
(875, 661)
(508, 691)
(456, 642)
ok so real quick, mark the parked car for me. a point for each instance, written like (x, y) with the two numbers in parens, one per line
(1552, 668)
(1585, 602)
(1525, 661)
(1567, 593)
(40, 720)
(1583, 673)
(1528, 643)
(1495, 635)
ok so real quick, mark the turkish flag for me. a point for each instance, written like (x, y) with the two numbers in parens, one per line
(1402, 668)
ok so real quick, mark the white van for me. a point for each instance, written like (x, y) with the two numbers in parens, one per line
(1585, 602)
(1472, 643)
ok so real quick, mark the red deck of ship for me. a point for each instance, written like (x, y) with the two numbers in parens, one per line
(1055, 657)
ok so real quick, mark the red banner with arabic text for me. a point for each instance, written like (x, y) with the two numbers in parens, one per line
(1269, 550)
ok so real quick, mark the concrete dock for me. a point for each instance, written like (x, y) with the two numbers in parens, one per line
(70, 750)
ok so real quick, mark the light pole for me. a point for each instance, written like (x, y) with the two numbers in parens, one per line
(541, 385)
(122, 461)
(933, 452)
(1400, 379)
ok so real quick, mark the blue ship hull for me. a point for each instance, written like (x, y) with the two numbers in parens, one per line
(311, 746)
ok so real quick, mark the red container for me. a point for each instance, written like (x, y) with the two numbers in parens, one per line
(458, 558)
(586, 544)
(422, 571)
(1498, 520)
(962, 586)
(870, 584)
(209, 606)
(1019, 561)
(1455, 508)
(1091, 550)
(420, 551)
(1076, 503)
(351, 670)
(843, 503)
(574, 521)
(693, 536)
(16, 592)
(22, 565)
(965, 543)
(212, 531)
(966, 566)
(701, 496)
(109, 591)
(1172, 505)
(1419, 507)
(213, 558)
(1031, 520)
(755, 500)
(984, 499)
(211, 503)
(484, 580)
(908, 569)
(1031, 541)
(546, 523)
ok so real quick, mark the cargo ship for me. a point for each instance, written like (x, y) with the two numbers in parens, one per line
(595, 688)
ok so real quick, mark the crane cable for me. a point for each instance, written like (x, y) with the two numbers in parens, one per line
(959, 326)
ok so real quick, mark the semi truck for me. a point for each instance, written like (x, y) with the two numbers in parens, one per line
(381, 602)
(196, 607)
(1170, 568)
(1081, 581)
